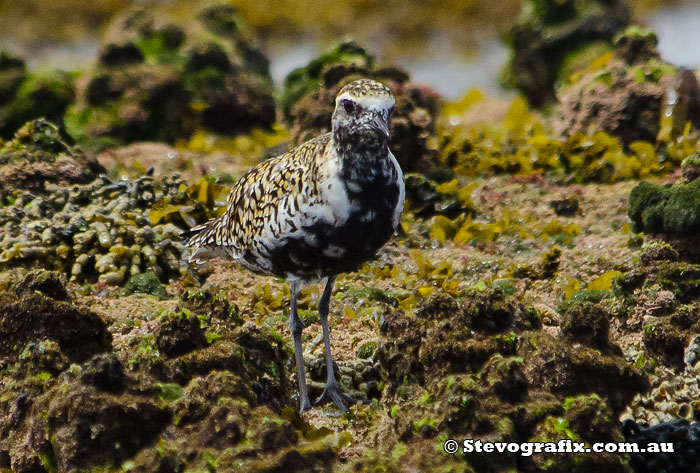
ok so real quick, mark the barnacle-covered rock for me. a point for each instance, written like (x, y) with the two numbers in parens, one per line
(57, 215)
(553, 38)
(161, 80)
(26, 95)
(309, 100)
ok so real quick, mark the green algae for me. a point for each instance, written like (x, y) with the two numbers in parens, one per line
(145, 283)
(672, 211)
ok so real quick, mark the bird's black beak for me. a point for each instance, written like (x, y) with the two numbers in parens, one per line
(381, 126)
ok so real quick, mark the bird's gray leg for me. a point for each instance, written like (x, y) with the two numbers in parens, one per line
(296, 326)
(332, 392)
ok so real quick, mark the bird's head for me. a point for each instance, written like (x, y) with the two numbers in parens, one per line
(362, 110)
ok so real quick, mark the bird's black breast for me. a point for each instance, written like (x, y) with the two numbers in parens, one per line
(328, 249)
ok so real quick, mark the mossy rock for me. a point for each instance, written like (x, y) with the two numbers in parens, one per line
(552, 39)
(666, 343)
(367, 350)
(30, 315)
(38, 154)
(27, 95)
(145, 283)
(105, 372)
(588, 323)
(631, 94)
(426, 198)
(307, 79)
(672, 211)
(163, 80)
(179, 333)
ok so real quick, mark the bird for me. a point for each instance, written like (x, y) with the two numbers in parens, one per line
(315, 212)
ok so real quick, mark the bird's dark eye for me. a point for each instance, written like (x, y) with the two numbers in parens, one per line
(349, 105)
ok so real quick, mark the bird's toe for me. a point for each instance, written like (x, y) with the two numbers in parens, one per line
(332, 393)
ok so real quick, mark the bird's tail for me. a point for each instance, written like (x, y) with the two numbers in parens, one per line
(202, 240)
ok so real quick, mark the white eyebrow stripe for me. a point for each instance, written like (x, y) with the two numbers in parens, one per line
(373, 103)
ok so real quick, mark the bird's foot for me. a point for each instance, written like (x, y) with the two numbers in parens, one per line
(305, 406)
(332, 393)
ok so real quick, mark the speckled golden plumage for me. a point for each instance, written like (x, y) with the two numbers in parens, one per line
(255, 201)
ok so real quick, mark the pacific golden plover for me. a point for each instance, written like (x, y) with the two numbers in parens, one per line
(317, 211)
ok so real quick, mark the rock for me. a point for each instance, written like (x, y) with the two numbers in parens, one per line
(145, 283)
(587, 323)
(632, 95)
(38, 154)
(673, 212)
(426, 198)
(105, 372)
(552, 39)
(26, 96)
(35, 316)
(48, 283)
(161, 80)
(684, 437)
(658, 251)
(567, 207)
(90, 428)
(666, 342)
(690, 168)
(310, 91)
(179, 333)
(691, 355)
(366, 350)
(101, 231)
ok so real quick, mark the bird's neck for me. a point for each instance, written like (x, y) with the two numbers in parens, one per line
(364, 157)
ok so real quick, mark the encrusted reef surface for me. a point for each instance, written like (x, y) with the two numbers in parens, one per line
(544, 283)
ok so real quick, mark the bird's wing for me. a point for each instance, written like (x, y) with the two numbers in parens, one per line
(264, 205)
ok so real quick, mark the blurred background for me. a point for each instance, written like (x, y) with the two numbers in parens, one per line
(452, 45)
